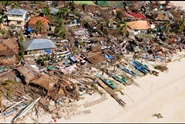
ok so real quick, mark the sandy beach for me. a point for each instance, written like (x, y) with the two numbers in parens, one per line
(163, 94)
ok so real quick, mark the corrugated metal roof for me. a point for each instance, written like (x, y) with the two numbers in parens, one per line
(53, 10)
(16, 12)
(38, 44)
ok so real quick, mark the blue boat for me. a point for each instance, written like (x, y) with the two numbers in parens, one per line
(127, 70)
(139, 67)
(106, 81)
(144, 65)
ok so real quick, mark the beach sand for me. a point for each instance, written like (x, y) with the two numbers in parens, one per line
(179, 3)
(163, 94)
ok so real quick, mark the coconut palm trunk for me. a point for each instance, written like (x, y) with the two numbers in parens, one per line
(1, 104)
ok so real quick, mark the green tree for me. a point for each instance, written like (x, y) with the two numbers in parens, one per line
(63, 13)
(122, 27)
(15, 4)
(60, 31)
(46, 11)
(40, 27)
(180, 26)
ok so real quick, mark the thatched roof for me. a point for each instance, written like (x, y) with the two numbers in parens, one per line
(42, 81)
(27, 72)
(9, 47)
(96, 57)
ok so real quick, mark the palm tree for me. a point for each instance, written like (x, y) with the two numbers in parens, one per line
(1, 104)
(122, 27)
(63, 13)
(40, 27)
(15, 4)
(166, 26)
(60, 30)
(46, 11)
(124, 6)
(180, 26)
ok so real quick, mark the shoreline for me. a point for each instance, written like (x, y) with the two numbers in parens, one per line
(160, 95)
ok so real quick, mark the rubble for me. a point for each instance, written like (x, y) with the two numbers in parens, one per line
(56, 64)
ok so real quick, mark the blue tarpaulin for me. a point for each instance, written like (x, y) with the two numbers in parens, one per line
(47, 50)
(29, 29)
(108, 56)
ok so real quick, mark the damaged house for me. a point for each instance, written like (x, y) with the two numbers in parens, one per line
(140, 26)
(39, 46)
(31, 77)
(9, 48)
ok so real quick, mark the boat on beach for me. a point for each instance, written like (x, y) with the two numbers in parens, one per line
(107, 81)
(26, 110)
(12, 109)
(119, 79)
(132, 73)
(139, 67)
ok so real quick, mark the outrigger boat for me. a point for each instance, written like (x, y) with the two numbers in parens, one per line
(118, 78)
(139, 67)
(107, 81)
(144, 65)
(26, 110)
(13, 108)
(127, 70)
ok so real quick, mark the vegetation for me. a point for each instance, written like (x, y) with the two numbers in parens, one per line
(46, 11)
(2, 31)
(40, 27)
(60, 31)
(63, 13)
(180, 26)
(21, 48)
(122, 27)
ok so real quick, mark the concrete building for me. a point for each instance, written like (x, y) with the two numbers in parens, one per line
(16, 17)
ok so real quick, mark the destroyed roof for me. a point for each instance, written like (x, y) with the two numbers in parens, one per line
(16, 11)
(96, 57)
(38, 44)
(161, 16)
(136, 15)
(175, 13)
(138, 25)
(34, 20)
(28, 73)
(9, 47)
(42, 81)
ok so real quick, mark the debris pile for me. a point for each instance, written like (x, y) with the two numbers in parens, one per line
(80, 47)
